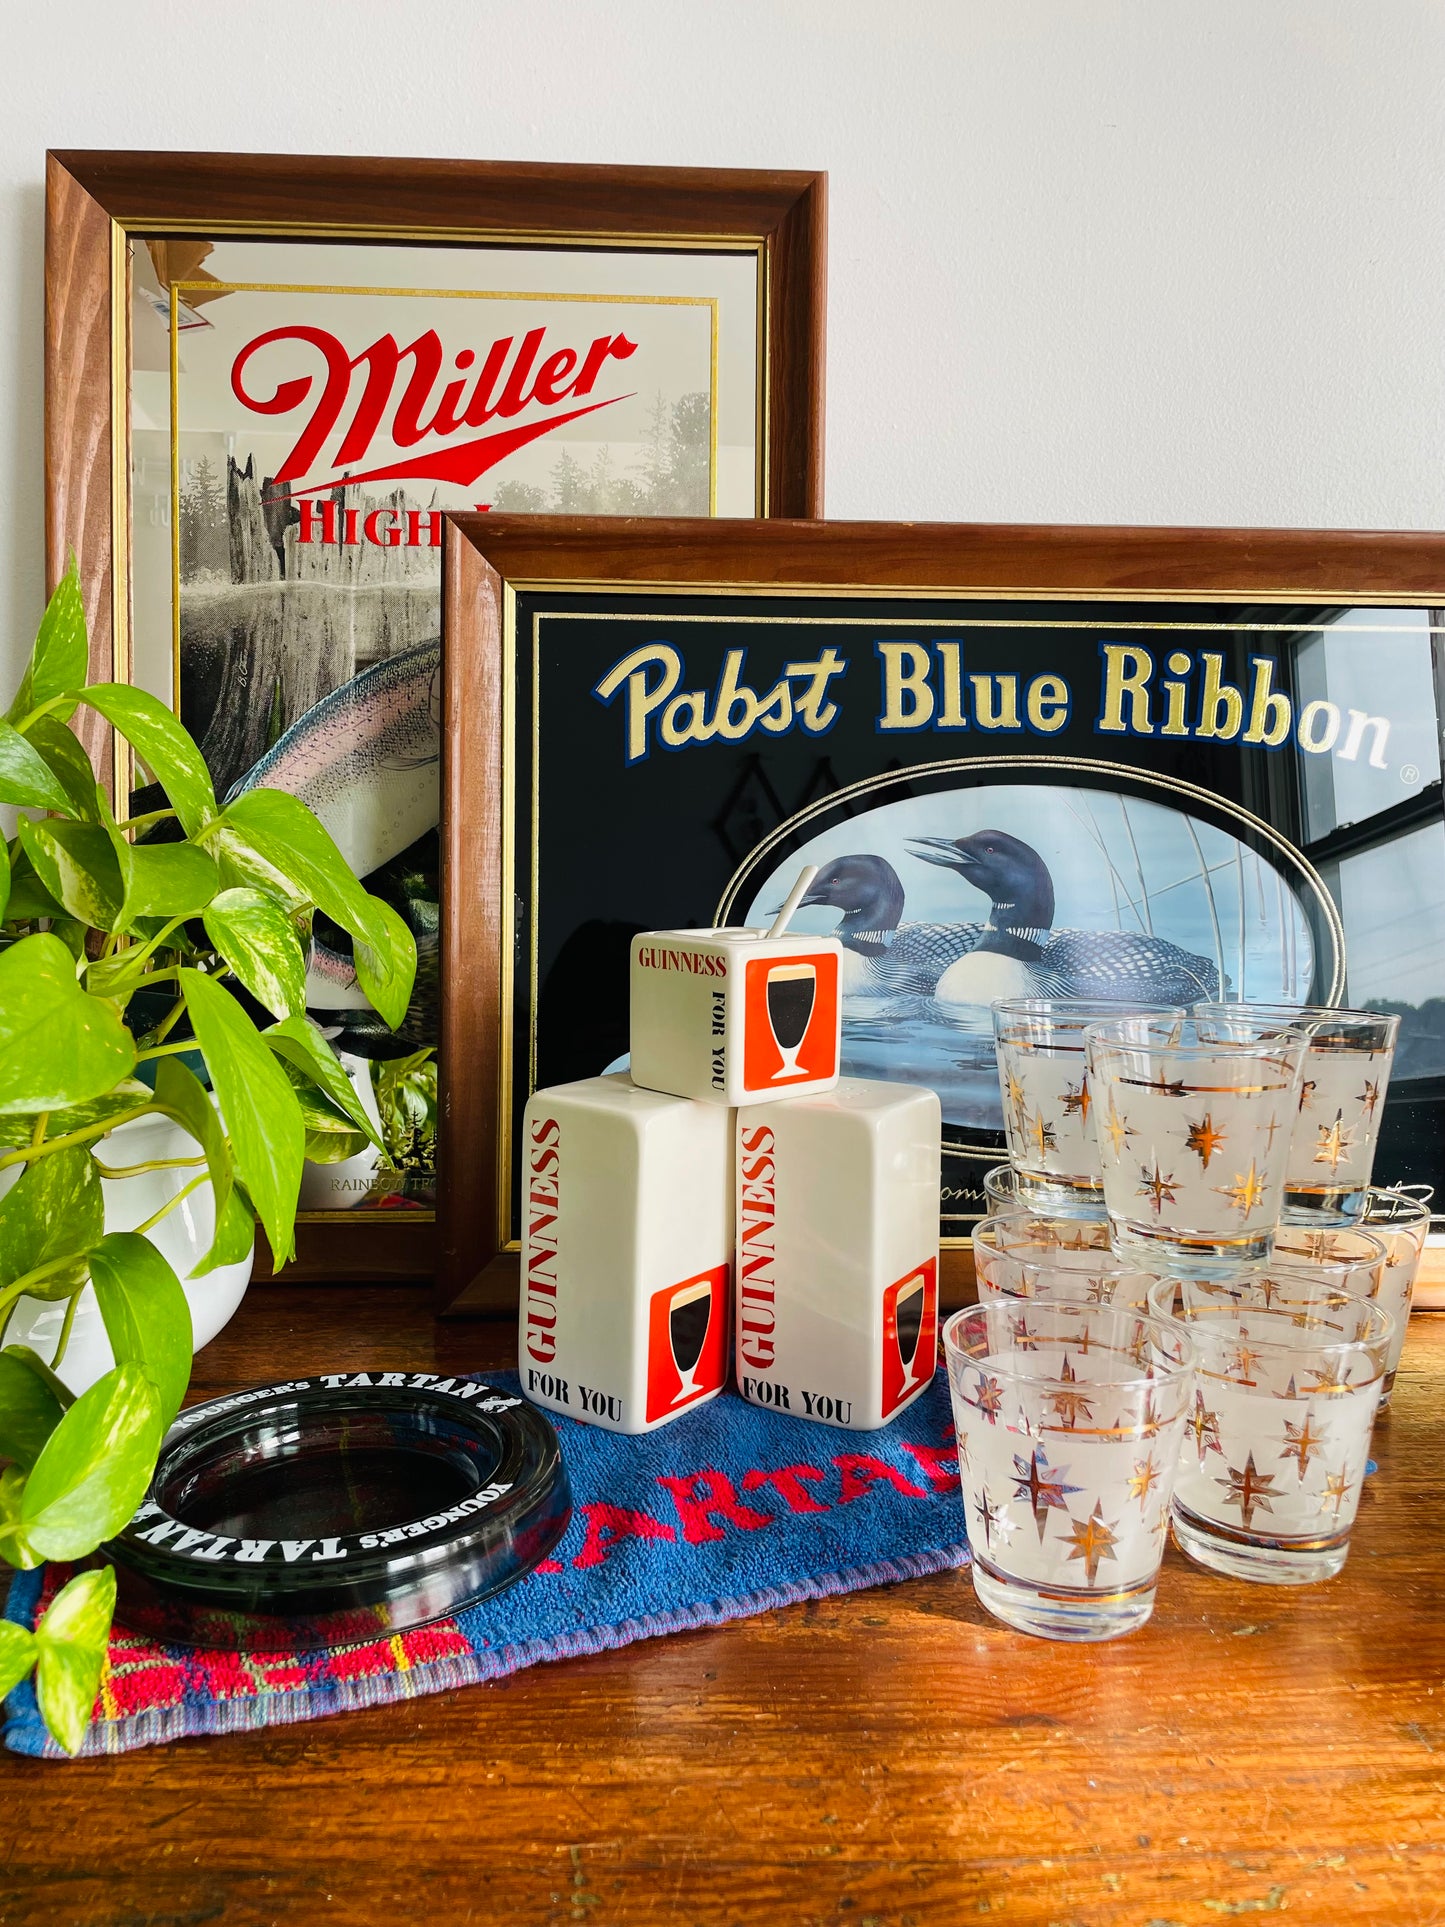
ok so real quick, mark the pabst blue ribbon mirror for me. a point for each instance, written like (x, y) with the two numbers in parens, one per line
(1164, 766)
(269, 382)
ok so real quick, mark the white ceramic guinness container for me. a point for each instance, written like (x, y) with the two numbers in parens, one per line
(627, 1215)
(837, 1252)
(735, 1016)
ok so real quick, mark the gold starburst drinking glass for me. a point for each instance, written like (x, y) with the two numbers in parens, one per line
(1365, 1259)
(1341, 1102)
(1278, 1436)
(1402, 1224)
(1000, 1188)
(1070, 1421)
(1048, 1101)
(1335, 1254)
(1193, 1128)
(1069, 1259)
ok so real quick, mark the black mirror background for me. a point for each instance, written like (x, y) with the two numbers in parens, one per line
(654, 845)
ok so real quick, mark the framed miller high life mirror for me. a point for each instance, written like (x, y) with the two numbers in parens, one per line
(1190, 763)
(268, 378)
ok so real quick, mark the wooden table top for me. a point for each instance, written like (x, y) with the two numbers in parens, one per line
(889, 1759)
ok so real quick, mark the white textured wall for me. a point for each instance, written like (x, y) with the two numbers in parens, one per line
(1092, 260)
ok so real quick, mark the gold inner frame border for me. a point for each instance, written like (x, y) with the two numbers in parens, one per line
(178, 289)
(126, 228)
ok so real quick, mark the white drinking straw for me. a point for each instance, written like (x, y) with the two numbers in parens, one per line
(795, 897)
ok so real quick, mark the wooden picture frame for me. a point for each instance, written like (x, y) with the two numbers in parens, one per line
(507, 579)
(101, 206)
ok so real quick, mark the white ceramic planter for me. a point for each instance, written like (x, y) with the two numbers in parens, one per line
(341, 1187)
(184, 1236)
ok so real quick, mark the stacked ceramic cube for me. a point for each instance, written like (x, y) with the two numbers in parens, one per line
(731, 1180)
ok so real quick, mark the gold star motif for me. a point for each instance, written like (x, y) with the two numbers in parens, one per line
(1164, 1086)
(1204, 1139)
(1306, 1093)
(1149, 1419)
(1327, 1379)
(1369, 1097)
(1139, 1350)
(1043, 1486)
(1335, 1141)
(1019, 1332)
(1118, 1129)
(1269, 1131)
(1070, 1406)
(1249, 1489)
(1246, 1191)
(1337, 1489)
(1014, 1094)
(1243, 1363)
(1077, 1102)
(1204, 1424)
(1301, 1443)
(964, 1463)
(1091, 1540)
(1040, 1134)
(990, 1398)
(1158, 1189)
(1142, 1480)
(995, 1520)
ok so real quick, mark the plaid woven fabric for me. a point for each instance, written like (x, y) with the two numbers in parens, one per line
(727, 1512)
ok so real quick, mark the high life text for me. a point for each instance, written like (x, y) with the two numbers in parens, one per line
(933, 686)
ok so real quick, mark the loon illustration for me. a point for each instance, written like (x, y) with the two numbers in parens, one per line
(367, 758)
(1020, 954)
(880, 954)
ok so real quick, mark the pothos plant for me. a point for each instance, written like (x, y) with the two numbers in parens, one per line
(129, 944)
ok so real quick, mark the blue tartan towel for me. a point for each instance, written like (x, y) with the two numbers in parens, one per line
(728, 1511)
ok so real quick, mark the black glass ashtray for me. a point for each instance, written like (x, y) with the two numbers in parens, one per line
(337, 1509)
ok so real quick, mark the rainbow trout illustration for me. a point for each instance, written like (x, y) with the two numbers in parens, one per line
(367, 759)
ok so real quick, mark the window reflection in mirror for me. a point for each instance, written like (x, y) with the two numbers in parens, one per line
(1381, 683)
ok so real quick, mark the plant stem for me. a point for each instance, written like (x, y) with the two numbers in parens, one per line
(144, 822)
(165, 1050)
(148, 978)
(65, 1325)
(26, 1153)
(170, 1019)
(42, 709)
(156, 1216)
(37, 1136)
(143, 952)
(153, 1164)
(24, 1283)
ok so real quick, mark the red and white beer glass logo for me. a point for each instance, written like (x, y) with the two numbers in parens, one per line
(790, 1020)
(687, 1342)
(910, 1334)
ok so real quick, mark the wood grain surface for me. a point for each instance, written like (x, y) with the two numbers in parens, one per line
(891, 1759)
(1016, 559)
